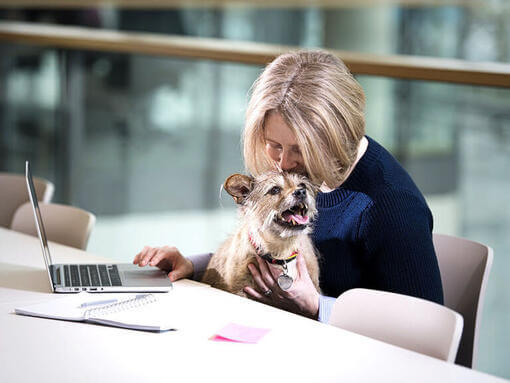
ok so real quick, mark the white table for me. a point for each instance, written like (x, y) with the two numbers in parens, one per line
(295, 350)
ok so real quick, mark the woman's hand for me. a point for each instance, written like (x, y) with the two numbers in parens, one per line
(302, 297)
(166, 258)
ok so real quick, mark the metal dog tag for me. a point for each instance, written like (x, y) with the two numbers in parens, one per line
(285, 282)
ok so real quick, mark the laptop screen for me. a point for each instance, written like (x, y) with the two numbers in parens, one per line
(38, 221)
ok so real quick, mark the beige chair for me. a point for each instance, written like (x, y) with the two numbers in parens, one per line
(64, 224)
(13, 193)
(465, 266)
(408, 322)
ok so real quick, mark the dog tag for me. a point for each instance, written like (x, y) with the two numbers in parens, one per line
(285, 281)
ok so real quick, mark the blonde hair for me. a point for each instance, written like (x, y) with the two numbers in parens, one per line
(323, 105)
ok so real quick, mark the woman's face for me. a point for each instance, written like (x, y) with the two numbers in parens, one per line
(281, 144)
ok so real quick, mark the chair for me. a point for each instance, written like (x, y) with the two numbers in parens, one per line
(64, 224)
(412, 323)
(13, 193)
(465, 266)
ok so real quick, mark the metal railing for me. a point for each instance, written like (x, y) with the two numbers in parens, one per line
(396, 66)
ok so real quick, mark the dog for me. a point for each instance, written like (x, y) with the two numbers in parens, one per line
(276, 212)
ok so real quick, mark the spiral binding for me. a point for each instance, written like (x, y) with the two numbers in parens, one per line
(120, 306)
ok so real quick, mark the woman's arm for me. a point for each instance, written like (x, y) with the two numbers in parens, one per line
(171, 260)
(200, 262)
(399, 253)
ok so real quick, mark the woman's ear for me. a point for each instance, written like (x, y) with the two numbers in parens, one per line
(238, 186)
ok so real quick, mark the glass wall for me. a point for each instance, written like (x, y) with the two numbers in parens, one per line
(126, 145)
(145, 143)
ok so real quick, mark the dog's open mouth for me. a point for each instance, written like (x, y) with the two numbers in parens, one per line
(295, 217)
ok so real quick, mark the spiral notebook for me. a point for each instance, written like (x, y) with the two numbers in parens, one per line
(147, 312)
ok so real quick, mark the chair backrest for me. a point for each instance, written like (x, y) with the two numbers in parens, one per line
(408, 322)
(465, 266)
(13, 194)
(64, 224)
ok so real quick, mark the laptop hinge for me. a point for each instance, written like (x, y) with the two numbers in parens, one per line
(55, 275)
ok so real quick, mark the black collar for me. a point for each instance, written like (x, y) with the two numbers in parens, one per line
(269, 258)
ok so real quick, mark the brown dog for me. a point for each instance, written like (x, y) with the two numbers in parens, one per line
(276, 214)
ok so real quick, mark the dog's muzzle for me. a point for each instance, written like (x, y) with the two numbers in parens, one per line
(296, 217)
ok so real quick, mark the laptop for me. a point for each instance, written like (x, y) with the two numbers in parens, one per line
(73, 278)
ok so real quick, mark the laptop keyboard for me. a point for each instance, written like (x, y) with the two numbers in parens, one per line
(91, 275)
(103, 273)
(94, 276)
(84, 275)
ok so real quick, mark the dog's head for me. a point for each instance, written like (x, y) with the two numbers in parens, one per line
(281, 202)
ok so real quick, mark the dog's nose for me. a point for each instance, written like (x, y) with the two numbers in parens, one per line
(300, 194)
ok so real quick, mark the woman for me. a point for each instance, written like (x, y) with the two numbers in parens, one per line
(374, 229)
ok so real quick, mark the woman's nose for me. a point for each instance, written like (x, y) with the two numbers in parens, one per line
(286, 162)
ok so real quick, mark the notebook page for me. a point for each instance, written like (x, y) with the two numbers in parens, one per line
(69, 307)
(149, 313)
(169, 311)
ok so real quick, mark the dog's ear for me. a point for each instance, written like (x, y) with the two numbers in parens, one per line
(314, 188)
(238, 186)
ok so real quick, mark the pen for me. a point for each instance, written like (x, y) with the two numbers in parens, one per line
(95, 303)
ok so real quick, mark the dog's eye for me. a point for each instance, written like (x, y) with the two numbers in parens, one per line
(275, 190)
(302, 186)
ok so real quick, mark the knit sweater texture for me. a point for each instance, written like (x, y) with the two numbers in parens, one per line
(375, 232)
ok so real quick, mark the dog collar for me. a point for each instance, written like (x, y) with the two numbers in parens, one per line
(268, 257)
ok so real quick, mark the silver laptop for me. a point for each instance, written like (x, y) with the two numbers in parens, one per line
(73, 278)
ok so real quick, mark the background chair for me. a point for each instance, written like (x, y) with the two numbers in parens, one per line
(465, 266)
(13, 193)
(412, 323)
(64, 224)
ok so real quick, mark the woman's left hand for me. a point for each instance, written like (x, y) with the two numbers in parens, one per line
(302, 297)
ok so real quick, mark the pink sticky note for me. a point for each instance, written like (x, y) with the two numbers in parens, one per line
(238, 333)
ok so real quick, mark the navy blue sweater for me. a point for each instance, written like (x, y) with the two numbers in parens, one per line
(375, 231)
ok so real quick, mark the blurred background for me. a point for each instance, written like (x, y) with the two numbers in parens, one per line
(144, 140)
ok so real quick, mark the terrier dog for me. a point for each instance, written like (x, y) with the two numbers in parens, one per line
(276, 214)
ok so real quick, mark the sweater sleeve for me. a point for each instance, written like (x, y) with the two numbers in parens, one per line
(200, 262)
(396, 232)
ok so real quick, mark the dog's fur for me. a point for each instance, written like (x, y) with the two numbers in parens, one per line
(264, 204)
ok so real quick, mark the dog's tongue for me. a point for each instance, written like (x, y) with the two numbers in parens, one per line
(299, 218)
